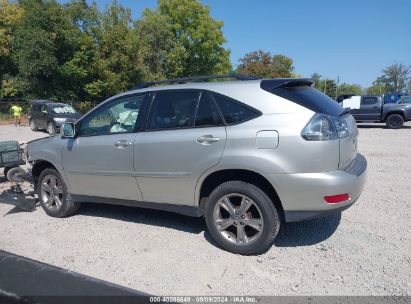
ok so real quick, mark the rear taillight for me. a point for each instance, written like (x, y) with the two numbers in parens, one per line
(324, 127)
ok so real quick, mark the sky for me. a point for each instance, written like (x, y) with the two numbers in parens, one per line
(350, 39)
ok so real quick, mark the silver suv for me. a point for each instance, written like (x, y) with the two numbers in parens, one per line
(247, 155)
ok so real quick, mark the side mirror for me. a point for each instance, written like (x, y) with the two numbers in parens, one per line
(68, 130)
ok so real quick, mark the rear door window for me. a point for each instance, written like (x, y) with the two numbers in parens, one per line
(369, 101)
(233, 111)
(173, 109)
(207, 112)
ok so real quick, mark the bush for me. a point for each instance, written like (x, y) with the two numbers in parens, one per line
(83, 106)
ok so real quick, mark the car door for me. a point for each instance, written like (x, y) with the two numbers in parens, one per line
(370, 108)
(185, 136)
(34, 113)
(43, 117)
(99, 161)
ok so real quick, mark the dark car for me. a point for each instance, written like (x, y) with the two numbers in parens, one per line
(51, 115)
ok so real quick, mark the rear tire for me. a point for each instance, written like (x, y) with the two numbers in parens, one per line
(53, 196)
(242, 231)
(51, 128)
(395, 121)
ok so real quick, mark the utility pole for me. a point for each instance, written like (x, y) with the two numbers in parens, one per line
(336, 87)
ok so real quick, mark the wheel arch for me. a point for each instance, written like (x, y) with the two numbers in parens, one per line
(38, 167)
(394, 112)
(216, 178)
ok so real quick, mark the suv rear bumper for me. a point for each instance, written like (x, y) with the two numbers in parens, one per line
(302, 194)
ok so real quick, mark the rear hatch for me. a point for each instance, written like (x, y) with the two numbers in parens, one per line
(300, 91)
(349, 145)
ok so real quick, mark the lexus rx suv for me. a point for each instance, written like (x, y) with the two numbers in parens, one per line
(247, 155)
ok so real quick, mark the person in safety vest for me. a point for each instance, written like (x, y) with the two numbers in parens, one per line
(16, 111)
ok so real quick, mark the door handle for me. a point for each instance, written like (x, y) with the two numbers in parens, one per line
(207, 139)
(121, 144)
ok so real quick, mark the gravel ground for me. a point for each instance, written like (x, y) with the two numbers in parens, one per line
(364, 251)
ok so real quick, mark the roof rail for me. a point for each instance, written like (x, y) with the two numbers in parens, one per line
(194, 79)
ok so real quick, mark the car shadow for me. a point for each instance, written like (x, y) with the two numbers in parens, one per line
(144, 216)
(307, 233)
(304, 233)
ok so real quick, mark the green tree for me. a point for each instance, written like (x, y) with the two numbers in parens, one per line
(160, 54)
(10, 15)
(263, 64)
(77, 70)
(346, 88)
(328, 87)
(376, 89)
(283, 66)
(40, 45)
(186, 40)
(317, 79)
(394, 77)
(331, 88)
(115, 64)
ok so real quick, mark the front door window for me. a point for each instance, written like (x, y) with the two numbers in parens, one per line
(117, 117)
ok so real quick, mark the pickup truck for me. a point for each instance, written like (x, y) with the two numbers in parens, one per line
(371, 108)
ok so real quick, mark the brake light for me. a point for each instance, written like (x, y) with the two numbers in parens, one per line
(336, 199)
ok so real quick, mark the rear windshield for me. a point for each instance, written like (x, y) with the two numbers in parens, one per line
(309, 98)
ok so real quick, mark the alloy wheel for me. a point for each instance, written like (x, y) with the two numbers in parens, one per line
(52, 192)
(50, 129)
(395, 122)
(238, 219)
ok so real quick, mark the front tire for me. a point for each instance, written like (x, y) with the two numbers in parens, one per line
(241, 218)
(51, 128)
(53, 196)
(32, 126)
(395, 121)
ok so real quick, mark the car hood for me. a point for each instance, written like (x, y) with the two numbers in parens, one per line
(68, 115)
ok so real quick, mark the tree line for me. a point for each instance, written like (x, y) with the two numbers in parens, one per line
(76, 52)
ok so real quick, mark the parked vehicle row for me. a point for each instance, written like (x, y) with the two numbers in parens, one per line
(247, 155)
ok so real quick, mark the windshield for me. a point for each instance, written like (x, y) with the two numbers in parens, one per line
(62, 109)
